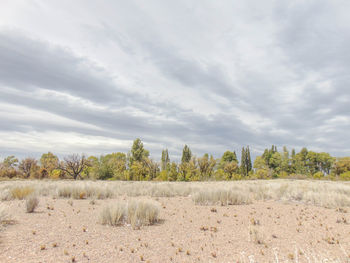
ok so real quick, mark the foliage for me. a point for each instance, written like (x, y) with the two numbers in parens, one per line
(186, 155)
(138, 166)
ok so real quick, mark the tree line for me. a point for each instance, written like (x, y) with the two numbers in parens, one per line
(138, 166)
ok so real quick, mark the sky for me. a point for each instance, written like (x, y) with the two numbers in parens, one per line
(89, 76)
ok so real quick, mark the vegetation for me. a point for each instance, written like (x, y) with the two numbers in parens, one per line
(31, 204)
(137, 213)
(136, 165)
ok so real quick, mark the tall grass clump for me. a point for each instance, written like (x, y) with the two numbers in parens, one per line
(141, 213)
(31, 203)
(222, 197)
(137, 213)
(113, 216)
(21, 192)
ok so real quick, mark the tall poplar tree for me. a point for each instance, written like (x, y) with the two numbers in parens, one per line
(186, 154)
(165, 160)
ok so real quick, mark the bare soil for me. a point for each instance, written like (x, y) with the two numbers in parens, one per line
(261, 232)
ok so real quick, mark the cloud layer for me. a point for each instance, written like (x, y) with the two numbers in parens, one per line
(76, 77)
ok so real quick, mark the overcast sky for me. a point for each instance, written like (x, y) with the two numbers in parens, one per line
(89, 76)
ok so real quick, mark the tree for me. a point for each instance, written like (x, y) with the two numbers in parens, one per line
(152, 169)
(206, 166)
(74, 165)
(229, 157)
(8, 168)
(186, 154)
(48, 162)
(29, 167)
(165, 160)
(243, 162)
(230, 169)
(173, 173)
(342, 165)
(246, 162)
(138, 152)
(285, 163)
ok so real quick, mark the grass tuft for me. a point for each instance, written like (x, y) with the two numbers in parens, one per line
(21, 192)
(137, 213)
(31, 204)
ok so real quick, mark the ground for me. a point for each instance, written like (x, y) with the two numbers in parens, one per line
(66, 230)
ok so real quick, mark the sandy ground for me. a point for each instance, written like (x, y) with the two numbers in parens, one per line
(186, 233)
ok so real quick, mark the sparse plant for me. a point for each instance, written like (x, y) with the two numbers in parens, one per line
(31, 204)
(21, 192)
(256, 236)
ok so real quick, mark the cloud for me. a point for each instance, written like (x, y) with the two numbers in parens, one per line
(216, 76)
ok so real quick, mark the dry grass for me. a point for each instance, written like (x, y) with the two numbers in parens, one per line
(21, 192)
(137, 213)
(31, 204)
(222, 197)
(320, 193)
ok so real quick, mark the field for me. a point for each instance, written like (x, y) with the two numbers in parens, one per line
(243, 221)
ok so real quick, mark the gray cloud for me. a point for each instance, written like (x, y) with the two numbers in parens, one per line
(177, 74)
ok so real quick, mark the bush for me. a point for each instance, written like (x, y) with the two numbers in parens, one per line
(262, 174)
(113, 216)
(345, 176)
(222, 197)
(137, 213)
(31, 203)
(318, 175)
(21, 192)
(140, 213)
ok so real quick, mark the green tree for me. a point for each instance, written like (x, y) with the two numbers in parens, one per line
(138, 152)
(186, 155)
(165, 160)
(229, 156)
(49, 162)
(246, 162)
(173, 173)
(206, 166)
(8, 168)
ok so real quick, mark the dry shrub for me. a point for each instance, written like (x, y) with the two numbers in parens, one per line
(21, 192)
(137, 213)
(141, 212)
(113, 216)
(31, 204)
(222, 197)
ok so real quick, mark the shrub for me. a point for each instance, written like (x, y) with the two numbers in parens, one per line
(113, 216)
(140, 213)
(137, 213)
(31, 203)
(345, 176)
(318, 175)
(21, 192)
(262, 174)
(222, 197)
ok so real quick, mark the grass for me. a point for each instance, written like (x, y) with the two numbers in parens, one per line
(221, 196)
(137, 213)
(21, 192)
(31, 204)
(320, 193)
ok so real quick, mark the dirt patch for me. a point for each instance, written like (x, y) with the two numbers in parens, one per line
(68, 231)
